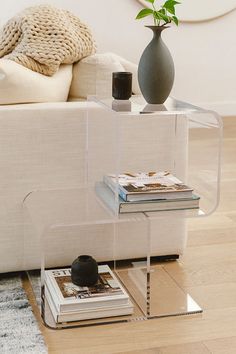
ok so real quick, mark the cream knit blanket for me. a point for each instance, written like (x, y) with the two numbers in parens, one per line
(43, 37)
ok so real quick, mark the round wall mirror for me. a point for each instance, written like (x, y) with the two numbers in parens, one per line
(200, 10)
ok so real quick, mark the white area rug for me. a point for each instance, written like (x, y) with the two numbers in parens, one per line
(19, 332)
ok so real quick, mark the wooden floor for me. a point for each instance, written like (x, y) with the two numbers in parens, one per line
(207, 271)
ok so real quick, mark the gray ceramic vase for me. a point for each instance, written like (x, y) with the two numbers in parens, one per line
(156, 69)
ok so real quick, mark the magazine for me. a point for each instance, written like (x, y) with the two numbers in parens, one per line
(108, 198)
(148, 186)
(67, 296)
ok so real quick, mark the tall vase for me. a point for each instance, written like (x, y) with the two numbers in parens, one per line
(156, 69)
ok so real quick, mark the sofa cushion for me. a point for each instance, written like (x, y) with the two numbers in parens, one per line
(21, 85)
(131, 67)
(93, 76)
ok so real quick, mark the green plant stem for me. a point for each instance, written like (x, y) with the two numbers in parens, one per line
(154, 18)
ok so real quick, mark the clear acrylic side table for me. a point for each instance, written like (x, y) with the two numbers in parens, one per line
(129, 136)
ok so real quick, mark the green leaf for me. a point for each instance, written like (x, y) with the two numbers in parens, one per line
(144, 13)
(169, 5)
(160, 16)
(171, 10)
(162, 11)
(151, 1)
(175, 20)
(157, 15)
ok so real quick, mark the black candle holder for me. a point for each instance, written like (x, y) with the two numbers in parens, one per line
(121, 85)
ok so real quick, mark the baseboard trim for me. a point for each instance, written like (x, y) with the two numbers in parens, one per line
(123, 262)
(225, 109)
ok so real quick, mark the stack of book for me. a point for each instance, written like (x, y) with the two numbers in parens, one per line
(69, 302)
(152, 191)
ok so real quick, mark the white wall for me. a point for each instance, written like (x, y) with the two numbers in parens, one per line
(204, 53)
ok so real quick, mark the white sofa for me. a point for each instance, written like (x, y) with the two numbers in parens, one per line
(41, 147)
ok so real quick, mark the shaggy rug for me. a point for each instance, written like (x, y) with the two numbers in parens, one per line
(19, 332)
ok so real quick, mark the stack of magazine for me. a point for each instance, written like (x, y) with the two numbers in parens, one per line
(149, 191)
(69, 302)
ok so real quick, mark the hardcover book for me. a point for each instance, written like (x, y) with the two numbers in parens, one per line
(108, 198)
(85, 314)
(67, 296)
(148, 186)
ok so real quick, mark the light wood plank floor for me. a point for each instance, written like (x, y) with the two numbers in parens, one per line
(207, 271)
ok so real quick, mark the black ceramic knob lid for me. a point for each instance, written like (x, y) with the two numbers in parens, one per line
(84, 271)
(121, 85)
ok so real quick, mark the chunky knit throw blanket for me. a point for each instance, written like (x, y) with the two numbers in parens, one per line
(43, 37)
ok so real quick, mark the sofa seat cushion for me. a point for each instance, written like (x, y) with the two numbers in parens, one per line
(21, 85)
(93, 75)
(131, 67)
